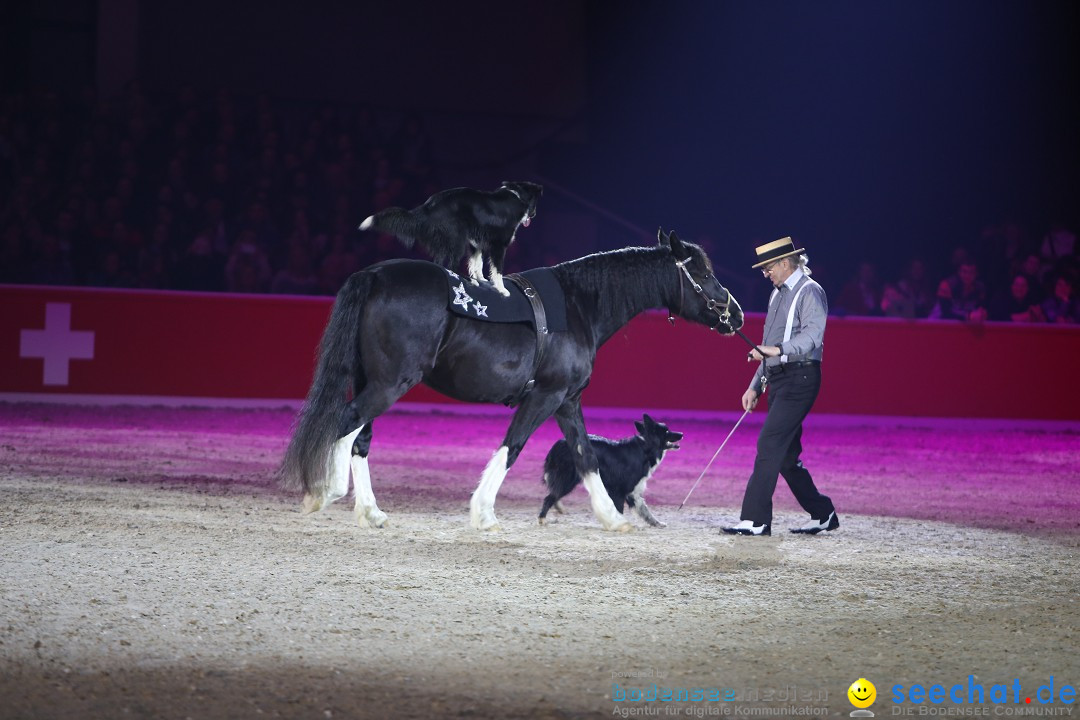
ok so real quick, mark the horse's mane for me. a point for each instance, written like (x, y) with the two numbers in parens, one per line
(633, 271)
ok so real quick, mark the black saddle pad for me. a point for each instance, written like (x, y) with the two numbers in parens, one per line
(484, 302)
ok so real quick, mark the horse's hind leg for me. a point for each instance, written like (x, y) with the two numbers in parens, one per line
(337, 470)
(368, 513)
(350, 451)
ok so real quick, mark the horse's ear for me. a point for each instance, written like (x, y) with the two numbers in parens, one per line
(676, 245)
(661, 238)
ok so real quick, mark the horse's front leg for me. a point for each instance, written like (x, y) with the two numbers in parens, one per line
(572, 424)
(530, 414)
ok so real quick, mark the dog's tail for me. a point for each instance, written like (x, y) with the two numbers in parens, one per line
(397, 222)
(337, 372)
(560, 475)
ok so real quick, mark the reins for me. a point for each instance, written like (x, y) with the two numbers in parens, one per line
(723, 314)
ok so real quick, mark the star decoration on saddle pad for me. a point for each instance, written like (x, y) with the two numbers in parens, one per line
(461, 297)
(481, 310)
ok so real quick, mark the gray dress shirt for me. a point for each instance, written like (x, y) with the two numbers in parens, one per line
(807, 328)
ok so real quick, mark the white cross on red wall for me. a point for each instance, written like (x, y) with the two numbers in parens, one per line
(57, 344)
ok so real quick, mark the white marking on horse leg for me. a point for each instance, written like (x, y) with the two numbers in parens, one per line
(482, 504)
(368, 513)
(337, 474)
(602, 506)
(338, 487)
(497, 279)
(476, 267)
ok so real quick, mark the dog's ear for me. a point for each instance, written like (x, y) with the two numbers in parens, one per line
(661, 238)
(640, 427)
(648, 419)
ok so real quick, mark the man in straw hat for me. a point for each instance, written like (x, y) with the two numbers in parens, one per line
(791, 369)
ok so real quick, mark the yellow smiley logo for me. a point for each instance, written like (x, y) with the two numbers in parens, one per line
(862, 693)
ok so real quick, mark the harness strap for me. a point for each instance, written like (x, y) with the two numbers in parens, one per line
(540, 323)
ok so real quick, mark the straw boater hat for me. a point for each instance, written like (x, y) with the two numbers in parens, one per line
(775, 250)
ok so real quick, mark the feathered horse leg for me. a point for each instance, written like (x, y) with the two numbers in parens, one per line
(367, 510)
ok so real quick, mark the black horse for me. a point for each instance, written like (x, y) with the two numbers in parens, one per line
(390, 330)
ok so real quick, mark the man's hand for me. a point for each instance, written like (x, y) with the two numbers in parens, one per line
(749, 399)
(755, 356)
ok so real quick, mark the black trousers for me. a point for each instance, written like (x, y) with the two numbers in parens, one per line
(791, 395)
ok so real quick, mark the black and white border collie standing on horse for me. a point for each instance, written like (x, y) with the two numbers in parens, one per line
(460, 221)
(390, 329)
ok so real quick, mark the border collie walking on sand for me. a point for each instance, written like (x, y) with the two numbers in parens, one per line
(625, 467)
(460, 221)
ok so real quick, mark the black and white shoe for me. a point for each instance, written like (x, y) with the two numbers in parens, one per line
(815, 526)
(747, 527)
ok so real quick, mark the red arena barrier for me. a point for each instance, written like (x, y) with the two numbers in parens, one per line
(118, 344)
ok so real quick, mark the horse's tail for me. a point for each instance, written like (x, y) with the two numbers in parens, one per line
(307, 459)
(400, 223)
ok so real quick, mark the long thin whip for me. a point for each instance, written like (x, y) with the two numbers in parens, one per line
(745, 412)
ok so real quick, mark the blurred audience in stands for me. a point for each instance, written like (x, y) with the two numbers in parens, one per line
(862, 294)
(912, 295)
(253, 194)
(1062, 306)
(218, 193)
(961, 296)
(1018, 304)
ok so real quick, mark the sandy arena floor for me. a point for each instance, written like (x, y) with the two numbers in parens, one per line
(150, 569)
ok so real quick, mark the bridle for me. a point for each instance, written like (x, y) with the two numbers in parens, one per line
(721, 308)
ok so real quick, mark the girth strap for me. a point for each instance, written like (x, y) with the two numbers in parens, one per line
(540, 323)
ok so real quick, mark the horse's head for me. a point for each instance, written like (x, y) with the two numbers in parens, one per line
(701, 298)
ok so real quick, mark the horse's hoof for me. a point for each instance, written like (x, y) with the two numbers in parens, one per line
(483, 519)
(373, 519)
(311, 504)
(541, 521)
(486, 524)
(624, 528)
